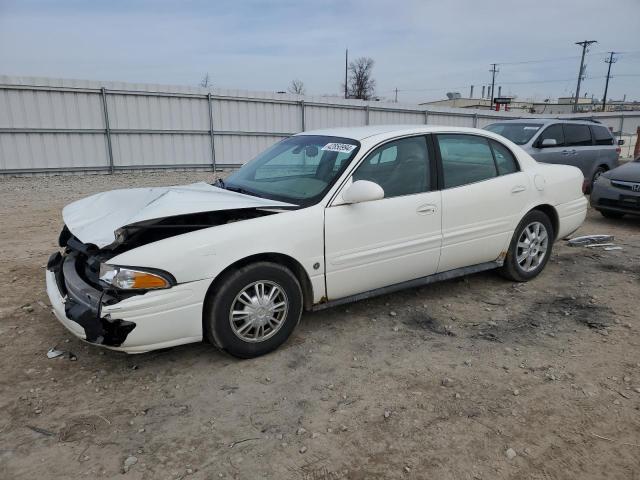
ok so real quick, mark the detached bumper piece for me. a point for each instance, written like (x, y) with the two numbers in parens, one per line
(83, 302)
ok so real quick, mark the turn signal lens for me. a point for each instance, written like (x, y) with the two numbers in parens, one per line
(133, 279)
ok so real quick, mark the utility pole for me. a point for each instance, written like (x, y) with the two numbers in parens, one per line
(396, 94)
(346, 69)
(493, 71)
(584, 45)
(609, 60)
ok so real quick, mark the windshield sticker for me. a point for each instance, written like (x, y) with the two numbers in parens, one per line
(339, 147)
(532, 128)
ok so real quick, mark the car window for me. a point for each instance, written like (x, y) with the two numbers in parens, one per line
(300, 169)
(602, 135)
(505, 161)
(577, 135)
(465, 159)
(401, 167)
(555, 132)
(518, 133)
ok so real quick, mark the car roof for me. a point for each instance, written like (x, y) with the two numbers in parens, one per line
(547, 121)
(360, 133)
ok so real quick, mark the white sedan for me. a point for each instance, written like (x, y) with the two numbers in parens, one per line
(319, 219)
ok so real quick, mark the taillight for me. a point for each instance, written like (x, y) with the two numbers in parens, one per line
(618, 150)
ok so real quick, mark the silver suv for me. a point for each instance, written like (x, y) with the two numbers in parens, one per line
(588, 145)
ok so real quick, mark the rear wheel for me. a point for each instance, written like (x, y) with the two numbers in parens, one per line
(530, 247)
(611, 214)
(253, 310)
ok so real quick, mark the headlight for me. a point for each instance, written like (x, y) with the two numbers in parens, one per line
(126, 278)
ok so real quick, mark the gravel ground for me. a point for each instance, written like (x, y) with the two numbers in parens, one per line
(475, 378)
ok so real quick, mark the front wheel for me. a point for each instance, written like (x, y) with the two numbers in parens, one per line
(530, 247)
(253, 310)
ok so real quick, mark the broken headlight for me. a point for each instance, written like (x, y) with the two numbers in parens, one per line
(126, 278)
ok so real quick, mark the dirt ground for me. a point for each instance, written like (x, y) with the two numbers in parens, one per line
(438, 382)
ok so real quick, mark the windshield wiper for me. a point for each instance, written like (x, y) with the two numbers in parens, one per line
(243, 191)
(219, 183)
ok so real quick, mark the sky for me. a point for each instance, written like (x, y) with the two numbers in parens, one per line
(424, 48)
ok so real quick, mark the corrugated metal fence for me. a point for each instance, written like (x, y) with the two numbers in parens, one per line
(52, 125)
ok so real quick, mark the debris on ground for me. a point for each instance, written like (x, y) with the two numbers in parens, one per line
(129, 462)
(54, 353)
(589, 240)
(511, 453)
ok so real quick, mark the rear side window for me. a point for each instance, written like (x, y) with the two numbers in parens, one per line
(555, 132)
(465, 159)
(504, 159)
(577, 135)
(601, 135)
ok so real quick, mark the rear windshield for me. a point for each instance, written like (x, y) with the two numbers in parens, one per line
(518, 133)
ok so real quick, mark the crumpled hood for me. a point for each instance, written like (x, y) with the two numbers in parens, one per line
(95, 219)
(628, 172)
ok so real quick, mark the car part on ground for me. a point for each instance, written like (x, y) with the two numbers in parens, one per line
(585, 240)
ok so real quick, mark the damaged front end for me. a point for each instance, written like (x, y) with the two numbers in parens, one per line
(76, 277)
(84, 298)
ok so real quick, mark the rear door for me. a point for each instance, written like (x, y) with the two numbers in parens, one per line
(378, 243)
(581, 152)
(484, 193)
(606, 146)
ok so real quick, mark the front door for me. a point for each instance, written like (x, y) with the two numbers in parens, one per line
(378, 243)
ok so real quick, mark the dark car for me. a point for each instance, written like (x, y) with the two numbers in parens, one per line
(617, 192)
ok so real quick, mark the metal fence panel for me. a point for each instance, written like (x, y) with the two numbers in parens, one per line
(57, 125)
(146, 150)
(330, 116)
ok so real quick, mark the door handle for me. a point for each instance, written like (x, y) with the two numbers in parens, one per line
(566, 152)
(518, 189)
(427, 209)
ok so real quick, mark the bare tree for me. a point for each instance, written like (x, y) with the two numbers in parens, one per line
(206, 81)
(360, 84)
(296, 87)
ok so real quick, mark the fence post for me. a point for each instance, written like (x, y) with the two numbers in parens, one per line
(426, 117)
(621, 125)
(211, 136)
(302, 115)
(366, 114)
(475, 120)
(107, 128)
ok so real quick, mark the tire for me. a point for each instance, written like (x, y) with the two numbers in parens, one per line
(611, 214)
(599, 171)
(523, 271)
(269, 322)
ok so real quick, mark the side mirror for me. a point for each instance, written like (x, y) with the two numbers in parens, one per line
(620, 142)
(363, 191)
(548, 142)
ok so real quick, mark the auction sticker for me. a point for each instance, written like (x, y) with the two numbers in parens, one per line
(339, 147)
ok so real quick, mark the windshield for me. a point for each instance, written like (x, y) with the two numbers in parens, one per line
(298, 170)
(518, 133)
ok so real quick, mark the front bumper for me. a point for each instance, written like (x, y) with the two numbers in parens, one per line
(136, 324)
(604, 197)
